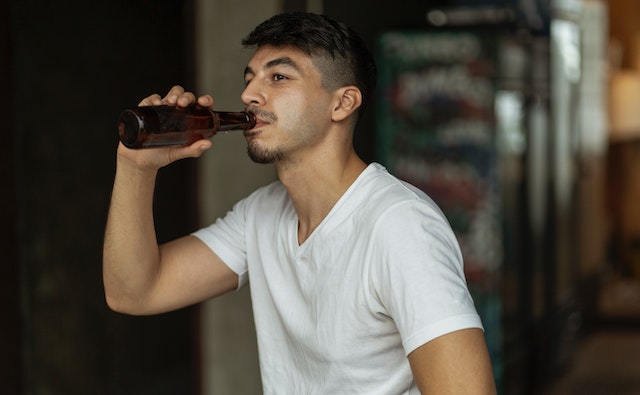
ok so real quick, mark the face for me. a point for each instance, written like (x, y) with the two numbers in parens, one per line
(284, 90)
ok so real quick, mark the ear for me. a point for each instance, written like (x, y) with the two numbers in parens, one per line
(348, 100)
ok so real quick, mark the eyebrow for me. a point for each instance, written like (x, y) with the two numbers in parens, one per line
(282, 61)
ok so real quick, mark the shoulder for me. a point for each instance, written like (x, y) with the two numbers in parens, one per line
(270, 191)
(396, 200)
(408, 226)
(259, 204)
(263, 198)
(403, 227)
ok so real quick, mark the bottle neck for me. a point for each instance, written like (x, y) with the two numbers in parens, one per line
(234, 120)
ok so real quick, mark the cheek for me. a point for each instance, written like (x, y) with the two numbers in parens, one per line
(304, 113)
(293, 109)
(306, 127)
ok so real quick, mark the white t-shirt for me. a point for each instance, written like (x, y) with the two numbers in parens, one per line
(380, 276)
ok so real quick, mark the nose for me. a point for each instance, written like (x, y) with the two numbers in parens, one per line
(251, 95)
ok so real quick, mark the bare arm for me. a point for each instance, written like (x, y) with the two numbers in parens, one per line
(456, 363)
(141, 277)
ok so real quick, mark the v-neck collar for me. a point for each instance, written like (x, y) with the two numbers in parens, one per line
(342, 209)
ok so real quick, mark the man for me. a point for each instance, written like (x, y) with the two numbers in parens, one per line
(356, 278)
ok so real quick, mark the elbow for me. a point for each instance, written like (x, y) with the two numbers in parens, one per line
(121, 298)
(116, 304)
(120, 304)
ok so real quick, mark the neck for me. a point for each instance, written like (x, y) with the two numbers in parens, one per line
(316, 184)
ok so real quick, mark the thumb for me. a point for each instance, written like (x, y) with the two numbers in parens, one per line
(200, 147)
(194, 150)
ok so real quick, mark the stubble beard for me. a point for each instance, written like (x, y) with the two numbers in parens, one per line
(263, 155)
(260, 154)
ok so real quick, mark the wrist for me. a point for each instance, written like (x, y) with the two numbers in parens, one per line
(137, 161)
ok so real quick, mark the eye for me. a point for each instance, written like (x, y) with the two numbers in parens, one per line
(279, 77)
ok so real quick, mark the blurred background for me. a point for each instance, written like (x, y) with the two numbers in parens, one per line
(521, 118)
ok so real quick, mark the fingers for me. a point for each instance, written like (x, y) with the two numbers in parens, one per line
(153, 100)
(177, 96)
(153, 159)
(205, 101)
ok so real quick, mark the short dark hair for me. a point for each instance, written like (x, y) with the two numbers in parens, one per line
(338, 51)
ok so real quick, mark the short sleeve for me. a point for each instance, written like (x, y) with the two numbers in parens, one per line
(226, 237)
(419, 277)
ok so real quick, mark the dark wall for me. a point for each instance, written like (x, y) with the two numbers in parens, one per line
(10, 329)
(71, 68)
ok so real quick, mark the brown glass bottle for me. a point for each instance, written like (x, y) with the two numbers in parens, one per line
(163, 126)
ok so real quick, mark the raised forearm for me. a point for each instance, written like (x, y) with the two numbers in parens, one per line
(131, 257)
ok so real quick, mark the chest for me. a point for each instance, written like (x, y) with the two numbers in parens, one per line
(321, 292)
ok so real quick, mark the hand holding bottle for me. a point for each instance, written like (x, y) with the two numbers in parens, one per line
(153, 159)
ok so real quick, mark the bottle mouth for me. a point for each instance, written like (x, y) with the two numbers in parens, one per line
(129, 128)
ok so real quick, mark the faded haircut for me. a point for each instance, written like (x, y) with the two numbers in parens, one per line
(338, 52)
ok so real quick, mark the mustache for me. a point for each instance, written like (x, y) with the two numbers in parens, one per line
(262, 114)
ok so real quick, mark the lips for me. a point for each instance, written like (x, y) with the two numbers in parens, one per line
(260, 122)
(256, 128)
(261, 115)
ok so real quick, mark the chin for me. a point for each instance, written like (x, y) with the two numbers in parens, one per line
(260, 155)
